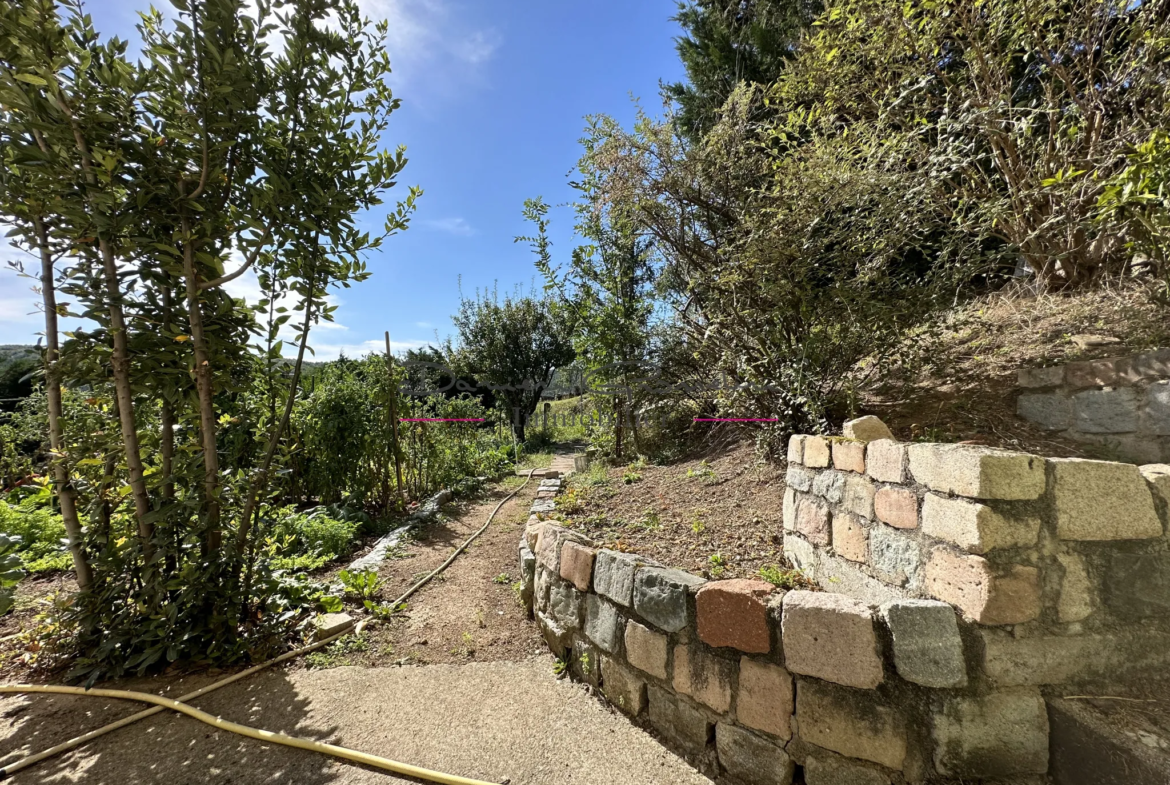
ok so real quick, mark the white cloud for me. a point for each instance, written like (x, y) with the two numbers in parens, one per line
(331, 351)
(424, 325)
(454, 225)
(429, 39)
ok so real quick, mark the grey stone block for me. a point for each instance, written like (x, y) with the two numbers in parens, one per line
(603, 625)
(660, 596)
(927, 647)
(1004, 734)
(564, 604)
(1139, 584)
(828, 769)
(1106, 411)
(800, 478)
(830, 485)
(1052, 412)
(896, 556)
(527, 574)
(682, 724)
(1158, 409)
(801, 553)
(558, 638)
(1040, 377)
(329, 624)
(1144, 367)
(751, 759)
(543, 506)
(613, 576)
(586, 662)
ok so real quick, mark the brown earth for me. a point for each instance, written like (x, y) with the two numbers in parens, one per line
(717, 515)
(471, 611)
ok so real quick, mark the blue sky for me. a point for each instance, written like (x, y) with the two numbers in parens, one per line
(494, 97)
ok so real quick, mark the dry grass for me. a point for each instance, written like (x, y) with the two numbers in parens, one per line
(968, 391)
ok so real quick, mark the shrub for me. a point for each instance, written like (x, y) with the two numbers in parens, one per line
(311, 539)
(41, 534)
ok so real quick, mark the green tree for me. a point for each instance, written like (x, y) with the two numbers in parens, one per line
(606, 289)
(242, 139)
(726, 42)
(512, 345)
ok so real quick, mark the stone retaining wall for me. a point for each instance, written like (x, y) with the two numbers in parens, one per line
(1122, 403)
(962, 583)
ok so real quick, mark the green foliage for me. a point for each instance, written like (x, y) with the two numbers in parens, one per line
(512, 344)
(10, 571)
(40, 534)
(716, 565)
(305, 541)
(782, 578)
(726, 42)
(346, 437)
(360, 584)
(234, 138)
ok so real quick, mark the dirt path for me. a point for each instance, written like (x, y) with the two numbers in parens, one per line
(460, 683)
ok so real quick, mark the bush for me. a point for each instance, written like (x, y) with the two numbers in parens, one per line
(311, 539)
(41, 533)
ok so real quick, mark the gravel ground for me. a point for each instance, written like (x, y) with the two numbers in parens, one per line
(493, 721)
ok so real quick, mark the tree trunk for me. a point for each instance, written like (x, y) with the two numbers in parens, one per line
(204, 391)
(61, 480)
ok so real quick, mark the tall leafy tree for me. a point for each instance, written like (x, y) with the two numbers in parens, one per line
(246, 137)
(726, 42)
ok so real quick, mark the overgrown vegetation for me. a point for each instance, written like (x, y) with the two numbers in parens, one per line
(808, 235)
(243, 138)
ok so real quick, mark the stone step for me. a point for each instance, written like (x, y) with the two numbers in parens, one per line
(1104, 741)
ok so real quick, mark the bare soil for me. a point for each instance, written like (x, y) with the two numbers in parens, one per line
(716, 514)
(471, 612)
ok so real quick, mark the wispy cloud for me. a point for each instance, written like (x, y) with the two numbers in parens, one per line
(454, 225)
(331, 351)
(424, 325)
(431, 40)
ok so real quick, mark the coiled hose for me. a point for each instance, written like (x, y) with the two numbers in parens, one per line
(181, 706)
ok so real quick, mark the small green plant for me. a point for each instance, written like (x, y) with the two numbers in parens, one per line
(468, 647)
(560, 666)
(570, 502)
(330, 604)
(518, 594)
(360, 584)
(781, 578)
(586, 665)
(382, 610)
(651, 520)
(334, 655)
(717, 564)
(502, 578)
(631, 477)
(10, 571)
(597, 475)
(697, 525)
(704, 473)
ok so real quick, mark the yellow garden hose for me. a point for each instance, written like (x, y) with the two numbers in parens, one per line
(180, 705)
(253, 733)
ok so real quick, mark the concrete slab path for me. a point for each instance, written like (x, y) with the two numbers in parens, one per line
(496, 721)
